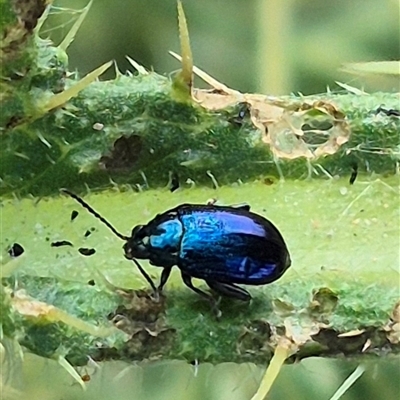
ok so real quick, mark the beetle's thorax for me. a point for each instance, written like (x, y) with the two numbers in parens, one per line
(158, 241)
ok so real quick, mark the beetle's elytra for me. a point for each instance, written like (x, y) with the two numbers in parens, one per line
(222, 245)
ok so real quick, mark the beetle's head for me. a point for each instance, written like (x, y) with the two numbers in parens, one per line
(137, 245)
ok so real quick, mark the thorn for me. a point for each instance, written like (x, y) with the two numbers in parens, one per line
(214, 181)
(139, 68)
(351, 89)
(182, 83)
(208, 78)
(61, 98)
(69, 38)
(71, 371)
(118, 73)
(187, 58)
(42, 19)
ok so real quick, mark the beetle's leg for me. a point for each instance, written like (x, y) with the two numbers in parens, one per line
(164, 277)
(147, 277)
(229, 290)
(187, 280)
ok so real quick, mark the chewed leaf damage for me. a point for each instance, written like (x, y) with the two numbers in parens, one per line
(291, 128)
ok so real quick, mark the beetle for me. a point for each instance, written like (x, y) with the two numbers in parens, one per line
(223, 245)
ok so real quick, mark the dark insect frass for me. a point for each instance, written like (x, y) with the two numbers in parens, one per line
(74, 214)
(86, 252)
(60, 243)
(15, 250)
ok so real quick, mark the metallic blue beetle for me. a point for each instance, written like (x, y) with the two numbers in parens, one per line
(222, 245)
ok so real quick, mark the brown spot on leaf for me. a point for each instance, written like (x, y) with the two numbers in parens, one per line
(213, 99)
(392, 328)
(292, 128)
(308, 129)
(13, 121)
(140, 306)
(124, 155)
(334, 343)
(16, 34)
(143, 318)
(29, 11)
(254, 337)
(324, 301)
(396, 312)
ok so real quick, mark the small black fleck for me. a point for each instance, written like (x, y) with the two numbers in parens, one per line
(88, 233)
(86, 377)
(389, 112)
(269, 181)
(15, 250)
(74, 214)
(86, 252)
(243, 112)
(61, 243)
(353, 174)
(91, 282)
(124, 155)
(174, 179)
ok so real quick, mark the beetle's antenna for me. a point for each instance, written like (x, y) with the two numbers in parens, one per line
(113, 230)
(95, 213)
